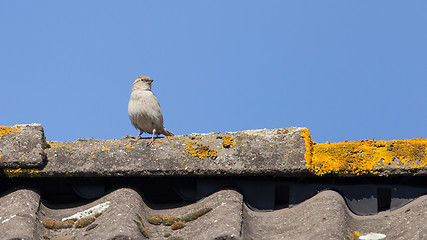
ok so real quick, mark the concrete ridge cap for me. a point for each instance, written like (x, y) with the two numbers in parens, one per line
(273, 152)
(28, 125)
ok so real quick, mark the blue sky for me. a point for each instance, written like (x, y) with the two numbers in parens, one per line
(347, 70)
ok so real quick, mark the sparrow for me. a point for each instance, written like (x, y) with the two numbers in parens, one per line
(144, 109)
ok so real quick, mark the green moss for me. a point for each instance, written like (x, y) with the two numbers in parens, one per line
(52, 224)
(177, 225)
(67, 224)
(85, 221)
(169, 220)
(196, 214)
(55, 224)
(155, 220)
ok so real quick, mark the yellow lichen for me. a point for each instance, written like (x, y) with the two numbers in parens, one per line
(130, 146)
(363, 157)
(5, 130)
(20, 172)
(199, 150)
(105, 149)
(227, 141)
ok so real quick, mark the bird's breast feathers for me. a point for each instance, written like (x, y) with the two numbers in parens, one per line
(144, 107)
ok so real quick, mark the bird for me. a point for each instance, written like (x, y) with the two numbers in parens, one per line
(144, 110)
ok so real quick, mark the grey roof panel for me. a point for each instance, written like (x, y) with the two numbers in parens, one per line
(22, 146)
(123, 214)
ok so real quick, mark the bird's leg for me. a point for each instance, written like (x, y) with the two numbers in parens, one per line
(152, 138)
(137, 137)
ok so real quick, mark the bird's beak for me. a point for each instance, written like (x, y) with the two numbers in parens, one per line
(151, 80)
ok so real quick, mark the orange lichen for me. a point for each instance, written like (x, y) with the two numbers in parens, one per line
(55, 224)
(105, 149)
(227, 141)
(308, 145)
(200, 151)
(52, 144)
(363, 157)
(5, 130)
(169, 220)
(155, 220)
(20, 172)
(52, 224)
(130, 146)
(68, 223)
(85, 221)
(178, 225)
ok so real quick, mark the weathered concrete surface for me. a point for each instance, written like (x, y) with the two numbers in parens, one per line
(117, 220)
(21, 146)
(124, 214)
(407, 222)
(256, 152)
(286, 152)
(18, 213)
(224, 221)
(325, 216)
(127, 214)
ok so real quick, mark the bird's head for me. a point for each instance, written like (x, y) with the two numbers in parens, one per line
(142, 83)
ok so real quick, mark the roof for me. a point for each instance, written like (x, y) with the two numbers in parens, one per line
(123, 214)
(255, 184)
(273, 152)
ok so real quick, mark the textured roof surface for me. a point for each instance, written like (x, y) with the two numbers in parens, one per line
(22, 146)
(276, 152)
(123, 214)
(255, 184)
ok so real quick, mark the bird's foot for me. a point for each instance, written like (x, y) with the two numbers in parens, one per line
(151, 141)
(135, 139)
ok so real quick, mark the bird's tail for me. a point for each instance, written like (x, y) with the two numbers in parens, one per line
(167, 132)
